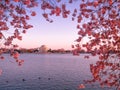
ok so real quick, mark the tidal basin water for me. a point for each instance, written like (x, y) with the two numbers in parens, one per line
(47, 72)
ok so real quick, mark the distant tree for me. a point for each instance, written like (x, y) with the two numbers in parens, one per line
(99, 20)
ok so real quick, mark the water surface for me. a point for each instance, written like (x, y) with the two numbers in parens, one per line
(46, 72)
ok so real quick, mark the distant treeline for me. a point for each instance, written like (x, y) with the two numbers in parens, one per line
(48, 51)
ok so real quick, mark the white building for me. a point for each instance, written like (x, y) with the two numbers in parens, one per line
(43, 49)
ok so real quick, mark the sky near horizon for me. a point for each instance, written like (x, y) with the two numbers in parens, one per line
(61, 33)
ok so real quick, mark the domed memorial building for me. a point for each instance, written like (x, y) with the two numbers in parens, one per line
(43, 49)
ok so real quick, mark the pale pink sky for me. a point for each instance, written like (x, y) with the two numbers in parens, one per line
(62, 33)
